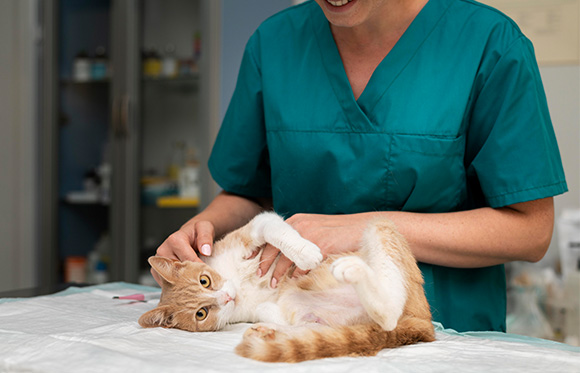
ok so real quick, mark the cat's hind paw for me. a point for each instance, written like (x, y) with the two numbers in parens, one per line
(349, 269)
(261, 331)
(263, 342)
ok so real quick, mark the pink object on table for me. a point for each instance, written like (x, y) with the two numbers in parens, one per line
(139, 297)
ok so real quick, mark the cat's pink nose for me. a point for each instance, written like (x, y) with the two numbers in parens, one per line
(227, 298)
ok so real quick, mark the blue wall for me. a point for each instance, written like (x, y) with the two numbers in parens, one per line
(239, 21)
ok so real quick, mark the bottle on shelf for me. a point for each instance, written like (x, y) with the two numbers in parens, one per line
(177, 160)
(97, 261)
(189, 185)
(169, 64)
(197, 46)
(82, 67)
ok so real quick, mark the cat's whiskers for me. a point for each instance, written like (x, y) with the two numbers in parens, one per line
(221, 323)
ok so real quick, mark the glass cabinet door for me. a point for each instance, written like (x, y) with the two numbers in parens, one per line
(135, 127)
(83, 43)
(173, 138)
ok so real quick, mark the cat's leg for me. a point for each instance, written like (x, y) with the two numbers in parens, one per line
(272, 229)
(273, 343)
(383, 297)
(377, 274)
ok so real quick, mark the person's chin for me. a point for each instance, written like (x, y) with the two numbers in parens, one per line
(348, 15)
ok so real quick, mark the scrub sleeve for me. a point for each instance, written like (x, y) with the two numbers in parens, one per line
(454, 118)
(242, 167)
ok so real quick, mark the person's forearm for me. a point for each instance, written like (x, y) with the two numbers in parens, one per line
(226, 212)
(481, 237)
(467, 239)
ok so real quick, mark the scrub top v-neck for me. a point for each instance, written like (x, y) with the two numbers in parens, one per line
(454, 118)
(360, 112)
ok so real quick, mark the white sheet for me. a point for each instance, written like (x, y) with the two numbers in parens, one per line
(85, 330)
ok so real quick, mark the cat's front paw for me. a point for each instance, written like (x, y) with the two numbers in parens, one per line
(307, 256)
(349, 269)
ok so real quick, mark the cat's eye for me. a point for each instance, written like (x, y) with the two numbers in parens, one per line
(201, 314)
(204, 281)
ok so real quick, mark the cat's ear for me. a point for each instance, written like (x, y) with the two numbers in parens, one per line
(160, 316)
(165, 267)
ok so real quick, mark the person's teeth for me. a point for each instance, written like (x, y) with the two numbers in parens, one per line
(338, 2)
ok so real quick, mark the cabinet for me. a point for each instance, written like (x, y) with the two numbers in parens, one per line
(136, 84)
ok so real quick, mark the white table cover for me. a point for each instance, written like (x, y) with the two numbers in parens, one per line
(85, 330)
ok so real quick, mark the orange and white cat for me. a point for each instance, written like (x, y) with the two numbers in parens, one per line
(352, 304)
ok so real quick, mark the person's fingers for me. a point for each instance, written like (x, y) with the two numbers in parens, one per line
(205, 235)
(280, 270)
(269, 254)
(178, 246)
(298, 272)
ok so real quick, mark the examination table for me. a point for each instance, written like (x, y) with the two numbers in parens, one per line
(86, 330)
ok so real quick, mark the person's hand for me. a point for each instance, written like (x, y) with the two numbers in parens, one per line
(184, 244)
(331, 233)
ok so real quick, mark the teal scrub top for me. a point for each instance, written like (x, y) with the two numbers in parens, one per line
(454, 118)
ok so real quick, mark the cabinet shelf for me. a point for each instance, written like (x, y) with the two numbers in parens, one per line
(72, 82)
(177, 202)
(194, 78)
(80, 199)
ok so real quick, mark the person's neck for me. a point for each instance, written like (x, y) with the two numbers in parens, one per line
(383, 29)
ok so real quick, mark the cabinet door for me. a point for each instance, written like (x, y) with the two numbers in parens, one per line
(132, 120)
(165, 107)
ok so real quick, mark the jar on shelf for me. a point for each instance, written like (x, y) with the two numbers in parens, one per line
(151, 64)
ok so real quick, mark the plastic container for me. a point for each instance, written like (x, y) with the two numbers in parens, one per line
(528, 319)
(75, 269)
(572, 291)
(99, 67)
(569, 241)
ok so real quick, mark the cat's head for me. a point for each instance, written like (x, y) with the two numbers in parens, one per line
(194, 297)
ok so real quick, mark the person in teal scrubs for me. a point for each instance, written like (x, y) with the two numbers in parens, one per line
(429, 113)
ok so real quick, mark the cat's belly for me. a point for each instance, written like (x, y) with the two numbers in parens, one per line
(337, 306)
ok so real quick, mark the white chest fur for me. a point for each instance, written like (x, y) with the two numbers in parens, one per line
(250, 290)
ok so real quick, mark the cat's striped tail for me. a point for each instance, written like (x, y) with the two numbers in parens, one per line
(295, 344)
